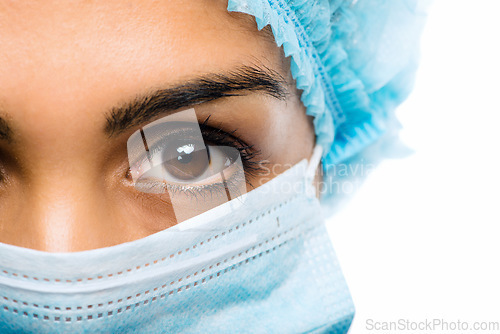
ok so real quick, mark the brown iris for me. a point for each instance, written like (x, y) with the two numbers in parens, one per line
(186, 161)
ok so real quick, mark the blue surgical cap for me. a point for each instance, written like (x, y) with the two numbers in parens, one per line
(354, 61)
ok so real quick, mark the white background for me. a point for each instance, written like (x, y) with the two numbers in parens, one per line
(421, 238)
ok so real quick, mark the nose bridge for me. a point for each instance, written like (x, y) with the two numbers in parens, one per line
(66, 210)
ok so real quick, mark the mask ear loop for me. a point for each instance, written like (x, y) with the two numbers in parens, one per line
(314, 162)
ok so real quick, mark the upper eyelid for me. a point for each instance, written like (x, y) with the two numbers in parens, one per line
(158, 141)
(215, 134)
(163, 137)
(205, 130)
(161, 130)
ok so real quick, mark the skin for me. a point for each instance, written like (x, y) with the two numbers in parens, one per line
(65, 65)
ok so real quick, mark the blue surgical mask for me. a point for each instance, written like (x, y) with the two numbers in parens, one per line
(260, 263)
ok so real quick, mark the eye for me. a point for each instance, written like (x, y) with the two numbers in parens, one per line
(184, 162)
(174, 156)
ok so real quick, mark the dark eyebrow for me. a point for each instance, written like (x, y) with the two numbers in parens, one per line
(5, 130)
(201, 89)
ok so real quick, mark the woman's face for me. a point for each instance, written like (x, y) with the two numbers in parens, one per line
(78, 79)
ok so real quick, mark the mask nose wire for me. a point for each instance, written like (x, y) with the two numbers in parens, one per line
(314, 162)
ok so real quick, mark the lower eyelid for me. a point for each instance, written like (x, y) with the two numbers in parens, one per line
(211, 184)
(214, 179)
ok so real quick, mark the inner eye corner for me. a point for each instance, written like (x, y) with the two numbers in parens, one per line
(128, 173)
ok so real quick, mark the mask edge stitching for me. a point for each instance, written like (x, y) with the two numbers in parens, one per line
(105, 276)
(171, 292)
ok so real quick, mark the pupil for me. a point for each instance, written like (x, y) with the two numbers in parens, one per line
(185, 158)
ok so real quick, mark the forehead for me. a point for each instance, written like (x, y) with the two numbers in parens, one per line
(75, 51)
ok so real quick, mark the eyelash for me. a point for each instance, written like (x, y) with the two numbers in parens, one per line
(248, 153)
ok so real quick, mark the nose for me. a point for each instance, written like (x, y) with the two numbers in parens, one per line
(69, 218)
(66, 213)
